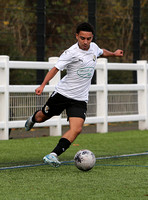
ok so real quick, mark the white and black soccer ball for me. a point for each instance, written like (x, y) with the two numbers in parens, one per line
(85, 160)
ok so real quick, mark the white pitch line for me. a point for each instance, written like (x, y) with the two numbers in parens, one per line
(71, 161)
(121, 156)
(21, 166)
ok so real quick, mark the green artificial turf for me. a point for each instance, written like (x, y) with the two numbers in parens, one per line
(120, 178)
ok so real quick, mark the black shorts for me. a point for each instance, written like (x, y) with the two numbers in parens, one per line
(57, 103)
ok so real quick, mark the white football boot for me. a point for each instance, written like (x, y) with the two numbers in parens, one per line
(29, 124)
(51, 159)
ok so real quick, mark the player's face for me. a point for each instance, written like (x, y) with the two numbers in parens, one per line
(84, 39)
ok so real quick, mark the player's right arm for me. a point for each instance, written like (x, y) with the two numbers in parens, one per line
(47, 78)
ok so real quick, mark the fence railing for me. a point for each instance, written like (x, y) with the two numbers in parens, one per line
(102, 95)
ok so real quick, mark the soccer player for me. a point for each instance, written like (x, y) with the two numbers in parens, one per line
(71, 93)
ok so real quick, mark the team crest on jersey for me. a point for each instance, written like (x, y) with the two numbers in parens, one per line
(46, 109)
(94, 58)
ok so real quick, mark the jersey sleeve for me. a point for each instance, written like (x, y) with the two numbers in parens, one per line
(64, 60)
(97, 49)
(100, 52)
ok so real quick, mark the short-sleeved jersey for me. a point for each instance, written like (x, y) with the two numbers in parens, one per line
(80, 65)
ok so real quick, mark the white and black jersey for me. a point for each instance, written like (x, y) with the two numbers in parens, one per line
(80, 65)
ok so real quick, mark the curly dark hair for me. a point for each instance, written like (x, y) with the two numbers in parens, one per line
(85, 26)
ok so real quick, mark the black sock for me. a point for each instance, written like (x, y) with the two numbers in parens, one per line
(62, 146)
(33, 117)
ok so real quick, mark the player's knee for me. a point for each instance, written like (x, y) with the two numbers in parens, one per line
(40, 117)
(78, 130)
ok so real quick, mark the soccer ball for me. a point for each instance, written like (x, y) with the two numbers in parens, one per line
(84, 160)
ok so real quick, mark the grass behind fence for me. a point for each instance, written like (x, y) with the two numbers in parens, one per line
(122, 178)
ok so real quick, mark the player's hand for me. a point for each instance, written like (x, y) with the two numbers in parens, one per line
(39, 90)
(118, 53)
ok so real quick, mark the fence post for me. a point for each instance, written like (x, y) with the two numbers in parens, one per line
(102, 104)
(4, 97)
(55, 130)
(142, 77)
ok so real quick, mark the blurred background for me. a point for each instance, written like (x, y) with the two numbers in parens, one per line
(36, 30)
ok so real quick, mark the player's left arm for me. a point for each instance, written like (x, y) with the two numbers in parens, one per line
(117, 53)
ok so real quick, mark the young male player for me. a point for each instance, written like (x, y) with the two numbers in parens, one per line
(71, 93)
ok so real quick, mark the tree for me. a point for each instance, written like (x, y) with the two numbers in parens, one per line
(114, 20)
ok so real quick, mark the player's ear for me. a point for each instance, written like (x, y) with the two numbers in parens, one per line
(77, 36)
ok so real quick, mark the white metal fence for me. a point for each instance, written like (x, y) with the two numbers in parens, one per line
(107, 102)
(23, 105)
